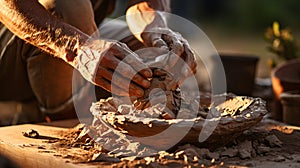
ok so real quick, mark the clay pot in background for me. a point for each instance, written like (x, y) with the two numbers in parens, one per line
(284, 78)
(291, 107)
(240, 71)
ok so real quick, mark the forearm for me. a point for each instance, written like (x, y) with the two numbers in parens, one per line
(140, 14)
(159, 5)
(31, 22)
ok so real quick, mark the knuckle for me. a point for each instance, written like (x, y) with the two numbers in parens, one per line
(158, 42)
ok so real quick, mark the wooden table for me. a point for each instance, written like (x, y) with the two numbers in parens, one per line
(29, 152)
(35, 153)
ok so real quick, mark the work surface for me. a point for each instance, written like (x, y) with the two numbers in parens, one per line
(29, 152)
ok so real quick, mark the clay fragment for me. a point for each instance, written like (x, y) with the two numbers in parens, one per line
(245, 149)
(230, 152)
(103, 157)
(31, 133)
(279, 159)
(273, 141)
(262, 149)
(233, 106)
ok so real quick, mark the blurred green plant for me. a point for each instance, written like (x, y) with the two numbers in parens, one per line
(281, 43)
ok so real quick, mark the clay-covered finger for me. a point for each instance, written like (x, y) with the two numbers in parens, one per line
(105, 84)
(174, 42)
(190, 56)
(115, 64)
(135, 91)
(127, 72)
(177, 46)
(190, 61)
(124, 69)
(134, 61)
(159, 72)
(125, 54)
(138, 79)
(132, 90)
(122, 82)
(178, 72)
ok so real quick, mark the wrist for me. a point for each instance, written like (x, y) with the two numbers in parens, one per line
(89, 55)
(72, 47)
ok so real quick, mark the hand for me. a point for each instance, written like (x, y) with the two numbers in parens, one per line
(148, 24)
(97, 62)
(166, 38)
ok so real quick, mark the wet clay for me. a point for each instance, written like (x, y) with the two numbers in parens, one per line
(167, 116)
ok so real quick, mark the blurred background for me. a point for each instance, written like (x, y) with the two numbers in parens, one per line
(237, 26)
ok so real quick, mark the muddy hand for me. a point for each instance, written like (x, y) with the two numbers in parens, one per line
(167, 39)
(98, 61)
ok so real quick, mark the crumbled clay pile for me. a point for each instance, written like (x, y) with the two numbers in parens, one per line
(161, 93)
(255, 147)
(162, 100)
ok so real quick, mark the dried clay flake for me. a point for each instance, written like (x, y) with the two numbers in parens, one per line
(233, 106)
